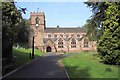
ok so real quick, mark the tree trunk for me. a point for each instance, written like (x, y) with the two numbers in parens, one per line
(7, 50)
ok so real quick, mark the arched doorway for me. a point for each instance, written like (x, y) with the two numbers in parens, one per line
(48, 49)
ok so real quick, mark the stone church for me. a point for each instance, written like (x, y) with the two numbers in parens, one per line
(57, 39)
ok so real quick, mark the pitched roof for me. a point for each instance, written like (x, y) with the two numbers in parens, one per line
(64, 30)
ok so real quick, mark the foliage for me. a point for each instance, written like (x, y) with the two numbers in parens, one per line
(106, 18)
(94, 24)
(11, 18)
(87, 66)
(109, 43)
(91, 29)
(23, 32)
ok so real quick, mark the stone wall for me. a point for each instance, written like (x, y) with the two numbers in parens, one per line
(38, 31)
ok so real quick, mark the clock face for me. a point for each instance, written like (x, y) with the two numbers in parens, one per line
(36, 24)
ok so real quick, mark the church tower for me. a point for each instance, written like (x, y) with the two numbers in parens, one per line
(37, 26)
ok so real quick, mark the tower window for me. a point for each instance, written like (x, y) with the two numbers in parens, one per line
(37, 20)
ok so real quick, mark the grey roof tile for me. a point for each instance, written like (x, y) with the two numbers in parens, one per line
(64, 30)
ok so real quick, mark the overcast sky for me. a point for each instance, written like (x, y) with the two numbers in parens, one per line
(64, 14)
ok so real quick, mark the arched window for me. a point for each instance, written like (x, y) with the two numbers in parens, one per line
(85, 43)
(73, 43)
(60, 43)
(37, 20)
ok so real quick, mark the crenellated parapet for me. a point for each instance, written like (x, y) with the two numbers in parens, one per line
(41, 17)
(37, 13)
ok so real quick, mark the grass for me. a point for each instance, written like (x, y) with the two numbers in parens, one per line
(22, 56)
(88, 65)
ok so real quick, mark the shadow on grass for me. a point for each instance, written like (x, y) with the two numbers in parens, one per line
(22, 56)
(19, 59)
(84, 69)
(76, 73)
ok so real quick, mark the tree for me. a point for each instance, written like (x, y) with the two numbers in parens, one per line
(92, 30)
(106, 18)
(95, 23)
(22, 36)
(11, 18)
(109, 42)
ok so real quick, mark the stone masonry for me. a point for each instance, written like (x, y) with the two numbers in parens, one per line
(57, 39)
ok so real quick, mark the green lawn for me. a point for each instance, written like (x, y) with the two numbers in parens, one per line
(88, 65)
(21, 56)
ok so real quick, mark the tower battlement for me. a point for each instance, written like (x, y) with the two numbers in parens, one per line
(37, 13)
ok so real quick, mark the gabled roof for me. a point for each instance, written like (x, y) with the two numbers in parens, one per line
(79, 39)
(65, 30)
(73, 36)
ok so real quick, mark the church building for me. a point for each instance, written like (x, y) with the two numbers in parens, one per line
(57, 39)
